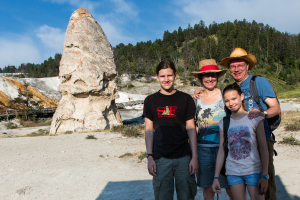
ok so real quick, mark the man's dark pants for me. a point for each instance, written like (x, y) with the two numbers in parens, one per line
(271, 192)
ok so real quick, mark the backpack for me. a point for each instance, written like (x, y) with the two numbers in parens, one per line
(274, 121)
(226, 121)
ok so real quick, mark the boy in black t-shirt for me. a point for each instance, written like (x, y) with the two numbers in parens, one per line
(170, 136)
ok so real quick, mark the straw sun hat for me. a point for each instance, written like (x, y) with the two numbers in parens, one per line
(208, 66)
(239, 53)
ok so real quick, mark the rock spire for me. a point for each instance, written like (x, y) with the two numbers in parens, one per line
(86, 71)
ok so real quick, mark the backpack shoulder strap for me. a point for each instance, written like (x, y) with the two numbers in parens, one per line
(254, 93)
(226, 122)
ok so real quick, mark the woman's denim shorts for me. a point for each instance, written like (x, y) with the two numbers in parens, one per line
(207, 161)
(251, 179)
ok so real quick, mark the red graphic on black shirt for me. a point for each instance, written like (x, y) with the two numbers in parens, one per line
(168, 111)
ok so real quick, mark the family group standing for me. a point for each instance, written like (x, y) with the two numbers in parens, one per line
(178, 148)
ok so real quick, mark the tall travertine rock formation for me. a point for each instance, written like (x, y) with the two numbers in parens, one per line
(87, 70)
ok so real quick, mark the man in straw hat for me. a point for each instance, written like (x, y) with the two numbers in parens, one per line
(239, 63)
(210, 109)
(171, 139)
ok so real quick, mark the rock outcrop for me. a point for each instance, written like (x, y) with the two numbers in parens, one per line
(87, 70)
(9, 90)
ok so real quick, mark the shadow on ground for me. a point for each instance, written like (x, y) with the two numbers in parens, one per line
(134, 121)
(142, 190)
(282, 192)
(133, 190)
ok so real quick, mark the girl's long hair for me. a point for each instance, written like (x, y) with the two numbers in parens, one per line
(237, 88)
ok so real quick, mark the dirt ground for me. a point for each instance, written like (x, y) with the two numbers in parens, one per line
(73, 167)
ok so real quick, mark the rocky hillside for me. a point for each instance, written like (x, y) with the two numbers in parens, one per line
(44, 90)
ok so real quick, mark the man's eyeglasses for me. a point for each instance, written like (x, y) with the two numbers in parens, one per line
(237, 66)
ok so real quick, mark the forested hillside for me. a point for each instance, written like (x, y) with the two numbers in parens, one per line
(277, 53)
(49, 68)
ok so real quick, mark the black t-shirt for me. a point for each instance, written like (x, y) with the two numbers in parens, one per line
(169, 114)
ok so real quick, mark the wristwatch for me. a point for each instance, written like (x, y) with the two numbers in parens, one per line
(265, 176)
(266, 114)
(149, 154)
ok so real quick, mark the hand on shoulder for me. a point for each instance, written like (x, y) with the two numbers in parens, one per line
(197, 93)
(255, 113)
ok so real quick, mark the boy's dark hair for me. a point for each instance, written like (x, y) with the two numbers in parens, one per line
(164, 65)
(236, 88)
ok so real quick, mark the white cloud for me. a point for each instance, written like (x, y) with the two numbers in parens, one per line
(19, 49)
(283, 15)
(113, 21)
(52, 38)
(126, 8)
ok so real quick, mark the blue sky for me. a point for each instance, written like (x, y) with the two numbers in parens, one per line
(33, 30)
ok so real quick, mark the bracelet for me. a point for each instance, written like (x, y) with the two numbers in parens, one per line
(216, 177)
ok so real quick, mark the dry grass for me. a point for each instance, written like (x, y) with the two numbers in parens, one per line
(289, 94)
(40, 132)
(10, 125)
(35, 124)
(129, 131)
(289, 117)
(142, 156)
(291, 122)
(290, 140)
(125, 154)
(68, 132)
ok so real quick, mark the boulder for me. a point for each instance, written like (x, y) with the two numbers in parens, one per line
(86, 71)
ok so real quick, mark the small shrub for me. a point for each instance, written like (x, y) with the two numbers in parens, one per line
(194, 83)
(142, 156)
(21, 121)
(141, 127)
(4, 133)
(34, 119)
(118, 128)
(35, 124)
(125, 154)
(101, 156)
(68, 132)
(90, 137)
(290, 140)
(130, 86)
(46, 123)
(10, 125)
(122, 128)
(131, 131)
(292, 127)
(149, 81)
(132, 78)
(40, 132)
